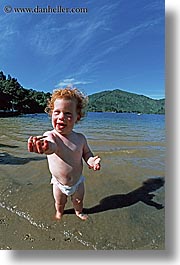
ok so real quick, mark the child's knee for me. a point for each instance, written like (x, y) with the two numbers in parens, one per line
(61, 201)
(60, 204)
(76, 201)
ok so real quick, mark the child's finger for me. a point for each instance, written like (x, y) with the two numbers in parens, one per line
(45, 145)
(97, 161)
(97, 166)
(30, 144)
(39, 147)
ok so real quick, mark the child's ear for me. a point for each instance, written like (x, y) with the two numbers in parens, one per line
(78, 118)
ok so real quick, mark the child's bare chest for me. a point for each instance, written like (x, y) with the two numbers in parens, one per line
(71, 148)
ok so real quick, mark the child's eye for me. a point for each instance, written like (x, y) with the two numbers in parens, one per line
(56, 112)
(68, 114)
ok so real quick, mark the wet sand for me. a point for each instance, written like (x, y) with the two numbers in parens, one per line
(123, 214)
(124, 200)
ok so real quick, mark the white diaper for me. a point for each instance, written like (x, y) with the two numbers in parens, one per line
(68, 190)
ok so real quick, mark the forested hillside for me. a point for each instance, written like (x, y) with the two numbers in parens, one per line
(121, 101)
(15, 97)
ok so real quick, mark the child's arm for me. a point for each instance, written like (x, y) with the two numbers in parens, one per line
(90, 159)
(38, 144)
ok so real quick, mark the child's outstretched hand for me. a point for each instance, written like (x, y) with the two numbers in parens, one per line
(94, 162)
(37, 144)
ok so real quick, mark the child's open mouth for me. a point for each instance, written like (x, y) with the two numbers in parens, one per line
(61, 125)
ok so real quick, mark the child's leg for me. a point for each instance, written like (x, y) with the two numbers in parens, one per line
(77, 200)
(60, 201)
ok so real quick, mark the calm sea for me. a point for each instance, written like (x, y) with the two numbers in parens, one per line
(96, 126)
(124, 126)
(106, 132)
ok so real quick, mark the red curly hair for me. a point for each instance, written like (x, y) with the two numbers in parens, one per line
(69, 94)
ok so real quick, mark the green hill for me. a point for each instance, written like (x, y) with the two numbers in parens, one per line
(15, 97)
(121, 101)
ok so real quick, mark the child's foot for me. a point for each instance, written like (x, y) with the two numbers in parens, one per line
(58, 216)
(82, 216)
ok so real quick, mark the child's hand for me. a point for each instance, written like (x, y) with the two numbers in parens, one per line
(37, 144)
(94, 162)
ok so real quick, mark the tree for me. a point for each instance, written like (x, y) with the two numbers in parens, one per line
(14, 96)
(2, 76)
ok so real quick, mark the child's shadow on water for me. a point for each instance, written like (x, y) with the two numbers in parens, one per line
(6, 158)
(9, 146)
(116, 201)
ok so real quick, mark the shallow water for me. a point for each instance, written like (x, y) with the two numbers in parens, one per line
(132, 149)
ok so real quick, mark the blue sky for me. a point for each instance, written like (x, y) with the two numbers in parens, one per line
(114, 45)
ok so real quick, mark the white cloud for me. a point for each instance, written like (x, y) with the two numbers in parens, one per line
(8, 32)
(44, 38)
(71, 82)
(123, 38)
(53, 36)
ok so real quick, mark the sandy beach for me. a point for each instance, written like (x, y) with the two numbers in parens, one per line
(124, 200)
(121, 212)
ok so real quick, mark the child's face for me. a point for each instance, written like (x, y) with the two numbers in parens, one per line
(64, 115)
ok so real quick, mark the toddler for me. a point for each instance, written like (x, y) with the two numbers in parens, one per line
(65, 149)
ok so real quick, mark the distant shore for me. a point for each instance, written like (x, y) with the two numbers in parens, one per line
(4, 114)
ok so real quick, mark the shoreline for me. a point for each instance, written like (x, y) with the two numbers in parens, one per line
(9, 114)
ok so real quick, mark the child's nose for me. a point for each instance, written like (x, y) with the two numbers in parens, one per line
(61, 116)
